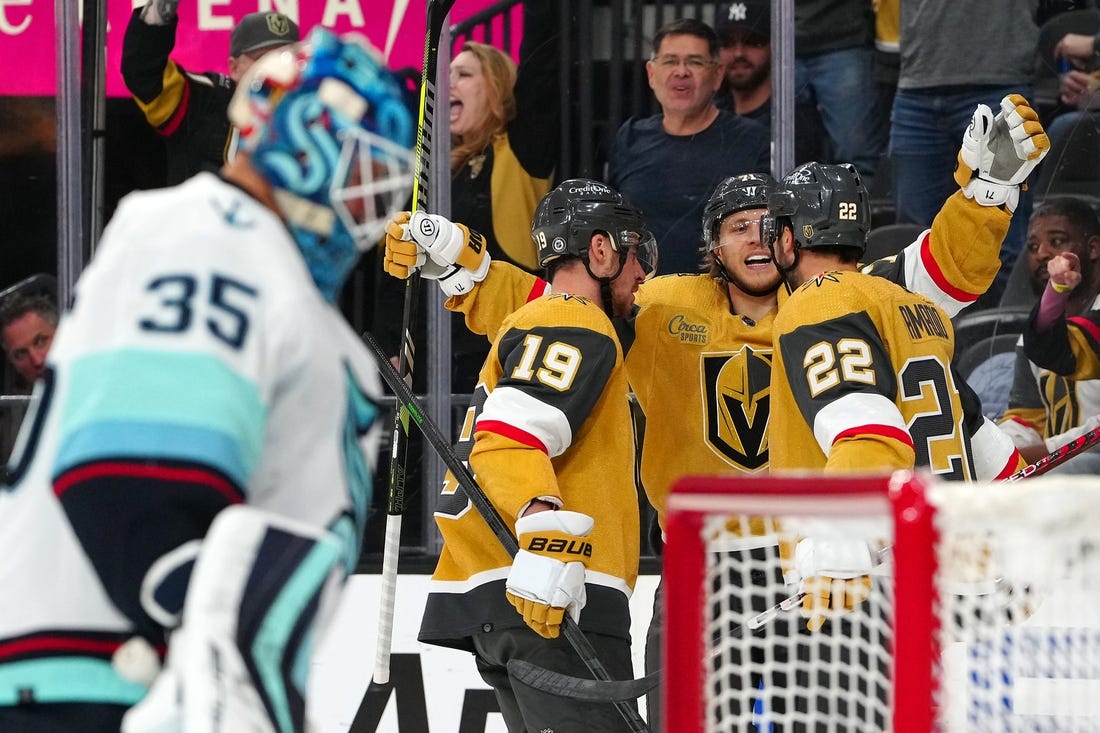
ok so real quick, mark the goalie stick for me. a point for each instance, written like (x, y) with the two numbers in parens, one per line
(399, 455)
(1059, 456)
(569, 628)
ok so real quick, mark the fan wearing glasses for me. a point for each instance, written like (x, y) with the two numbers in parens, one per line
(689, 147)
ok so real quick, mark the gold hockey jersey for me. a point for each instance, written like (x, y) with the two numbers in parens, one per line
(862, 381)
(1070, 347)
(550, 420)
(701, 372)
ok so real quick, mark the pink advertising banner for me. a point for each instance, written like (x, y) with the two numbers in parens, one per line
(28, 38)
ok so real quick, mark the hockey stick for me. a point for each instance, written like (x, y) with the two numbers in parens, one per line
(579, 688)
(477, 497)
(1059, 456)
(399, 456)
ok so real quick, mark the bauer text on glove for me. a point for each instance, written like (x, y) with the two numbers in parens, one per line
(548, 573)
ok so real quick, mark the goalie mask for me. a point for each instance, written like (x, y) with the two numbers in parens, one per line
(826, 205)
(568, 216)
(325, 124)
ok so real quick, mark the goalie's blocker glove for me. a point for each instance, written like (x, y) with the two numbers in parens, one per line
(451, 254)
(548, 572)
(999, 152)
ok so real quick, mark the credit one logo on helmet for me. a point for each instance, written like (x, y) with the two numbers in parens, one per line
(591, 188)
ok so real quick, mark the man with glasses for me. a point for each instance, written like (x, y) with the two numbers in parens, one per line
(668, 164)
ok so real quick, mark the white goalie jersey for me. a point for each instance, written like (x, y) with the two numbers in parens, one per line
(198, 369)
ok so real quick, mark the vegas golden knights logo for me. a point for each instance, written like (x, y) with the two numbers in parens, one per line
(737, 393)
(1060, 396)
(278, 24)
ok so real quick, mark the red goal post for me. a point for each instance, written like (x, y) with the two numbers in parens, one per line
(981, 613)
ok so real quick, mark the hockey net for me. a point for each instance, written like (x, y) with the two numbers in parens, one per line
(982, 614)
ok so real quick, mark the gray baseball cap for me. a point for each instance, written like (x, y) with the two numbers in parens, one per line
(258, 31)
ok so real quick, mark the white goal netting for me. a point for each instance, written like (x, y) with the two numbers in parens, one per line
(979, 609)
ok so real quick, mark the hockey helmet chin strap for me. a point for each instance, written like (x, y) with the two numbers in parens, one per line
(770, 229)
(606, 301)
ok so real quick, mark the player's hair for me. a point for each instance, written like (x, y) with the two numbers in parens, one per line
(1078, 212)
(500, 78)
(687, 27)
(16, 305)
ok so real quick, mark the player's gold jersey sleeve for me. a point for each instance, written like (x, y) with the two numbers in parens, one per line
(504, 290)
(869, 452)
(965, 244)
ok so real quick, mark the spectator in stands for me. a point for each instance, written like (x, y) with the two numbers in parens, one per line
(668, 164)
(887, 54)
(947, 69)
(189, 109)
(1078, 86)
(745, 47)
(833, 72)
(504, 149)
(1047, 410)
(27, 325)
(744, 38)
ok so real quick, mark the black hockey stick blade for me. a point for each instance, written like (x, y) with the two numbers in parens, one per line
(578, 688)
(586, 690)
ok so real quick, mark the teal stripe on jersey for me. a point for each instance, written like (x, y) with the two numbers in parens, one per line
(109, 439)
(271, 639)
(167, 405)
(67, 679)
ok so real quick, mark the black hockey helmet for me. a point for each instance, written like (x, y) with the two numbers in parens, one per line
(568, 216)
(737, 193)
(826, 204)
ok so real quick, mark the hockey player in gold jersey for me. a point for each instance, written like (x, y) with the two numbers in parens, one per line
(699, 358)
(552, 449)
(862, 376)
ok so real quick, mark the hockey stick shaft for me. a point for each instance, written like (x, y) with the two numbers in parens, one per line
(399, 456)
(477, 497)
(1055, 458)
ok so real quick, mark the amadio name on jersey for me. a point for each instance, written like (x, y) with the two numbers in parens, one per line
(685, 330)
(922, 321)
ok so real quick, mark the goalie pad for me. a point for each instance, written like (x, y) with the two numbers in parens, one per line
(262, 589)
